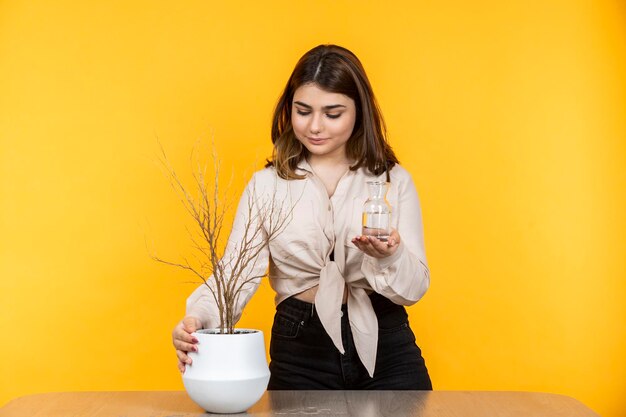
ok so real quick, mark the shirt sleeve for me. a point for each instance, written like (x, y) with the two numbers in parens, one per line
(404, 276)
(247, 230)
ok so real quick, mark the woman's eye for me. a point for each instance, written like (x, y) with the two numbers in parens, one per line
(333, 116)
(303, 113)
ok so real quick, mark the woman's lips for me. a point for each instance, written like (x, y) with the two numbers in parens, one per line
(317, 141)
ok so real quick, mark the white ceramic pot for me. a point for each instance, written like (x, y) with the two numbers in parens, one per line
(229, 373)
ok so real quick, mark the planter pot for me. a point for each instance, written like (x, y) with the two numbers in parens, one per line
(229, 373)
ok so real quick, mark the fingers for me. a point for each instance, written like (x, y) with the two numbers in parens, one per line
(374, 247)
(183, 330)
(183, 357)
(394, 238)
(367, 245)
(184, 341)
(191, 324)
(182, 364)
(185, 347)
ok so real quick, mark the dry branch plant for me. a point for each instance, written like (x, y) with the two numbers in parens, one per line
(224, 272)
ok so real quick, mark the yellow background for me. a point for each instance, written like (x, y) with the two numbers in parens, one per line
(509, 115)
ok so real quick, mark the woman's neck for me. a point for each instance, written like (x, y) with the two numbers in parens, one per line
(329, 171)
(327, 161)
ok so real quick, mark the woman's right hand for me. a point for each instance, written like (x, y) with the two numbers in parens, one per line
(184, 342)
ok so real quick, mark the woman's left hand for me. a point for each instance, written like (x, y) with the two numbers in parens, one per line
(371, 246)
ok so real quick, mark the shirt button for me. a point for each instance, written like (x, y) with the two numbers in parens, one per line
(341, 314)
(329, 207)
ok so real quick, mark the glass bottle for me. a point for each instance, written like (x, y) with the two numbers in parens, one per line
(377, 211)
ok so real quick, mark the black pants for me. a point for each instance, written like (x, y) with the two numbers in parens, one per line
(303, 357)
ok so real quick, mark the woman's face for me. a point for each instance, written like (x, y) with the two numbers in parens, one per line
(322, 121)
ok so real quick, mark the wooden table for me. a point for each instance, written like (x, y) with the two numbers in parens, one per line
(305, 403)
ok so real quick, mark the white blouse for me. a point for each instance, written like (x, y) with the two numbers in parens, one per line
(299, 256)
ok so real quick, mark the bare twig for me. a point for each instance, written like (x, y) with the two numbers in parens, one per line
(227, 273)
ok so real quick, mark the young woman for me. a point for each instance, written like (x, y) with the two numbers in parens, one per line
(340, 321)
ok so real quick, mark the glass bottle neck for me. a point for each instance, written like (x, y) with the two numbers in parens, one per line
(377, 189)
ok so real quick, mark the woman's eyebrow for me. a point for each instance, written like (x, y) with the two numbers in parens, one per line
(330, 107)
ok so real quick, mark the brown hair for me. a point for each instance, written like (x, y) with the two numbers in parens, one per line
(336, 70)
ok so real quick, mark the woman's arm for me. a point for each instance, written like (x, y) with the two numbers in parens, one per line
(247, 230)
(397, 269)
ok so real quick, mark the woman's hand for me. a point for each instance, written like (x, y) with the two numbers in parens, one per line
(184, 342)
(371, 246)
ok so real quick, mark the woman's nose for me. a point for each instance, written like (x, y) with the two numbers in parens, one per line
(316, 124)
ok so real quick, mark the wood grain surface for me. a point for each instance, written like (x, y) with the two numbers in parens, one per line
(305, 403)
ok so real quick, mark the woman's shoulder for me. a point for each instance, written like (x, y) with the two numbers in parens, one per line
(265, 174)
(399, 174)
(267, 181)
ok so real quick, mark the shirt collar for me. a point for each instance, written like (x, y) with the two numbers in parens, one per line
(304, 166)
